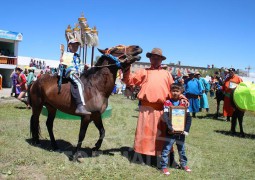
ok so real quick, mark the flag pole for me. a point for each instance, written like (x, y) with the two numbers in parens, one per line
(94, 33)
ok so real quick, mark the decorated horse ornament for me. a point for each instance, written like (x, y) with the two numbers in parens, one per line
(98, 83)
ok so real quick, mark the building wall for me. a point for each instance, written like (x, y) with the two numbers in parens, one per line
(174, 69)
(24, 61)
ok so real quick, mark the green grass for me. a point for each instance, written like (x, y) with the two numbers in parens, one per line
(212, 152)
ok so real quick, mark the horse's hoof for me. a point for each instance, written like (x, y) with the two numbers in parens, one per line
(242, 135)
(95, 149)
(95, 153)
(77, 156)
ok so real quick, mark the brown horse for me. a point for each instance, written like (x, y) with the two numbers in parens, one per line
(98, 85)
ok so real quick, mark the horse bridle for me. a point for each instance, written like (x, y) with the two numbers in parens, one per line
(116, 59)
(118, 47)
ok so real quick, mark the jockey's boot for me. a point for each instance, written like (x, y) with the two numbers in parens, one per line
(80, 110)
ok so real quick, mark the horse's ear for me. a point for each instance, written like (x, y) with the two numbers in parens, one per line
(101, 50)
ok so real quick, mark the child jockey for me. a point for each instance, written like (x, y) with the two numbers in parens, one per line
(72, 71)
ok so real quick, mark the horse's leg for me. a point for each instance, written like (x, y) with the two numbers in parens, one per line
(49, 124)
(233, 122)
(99, 124)
(85, 120)
(240, 120)
(34, 123)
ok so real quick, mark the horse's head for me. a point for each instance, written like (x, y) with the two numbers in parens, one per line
(126, 55)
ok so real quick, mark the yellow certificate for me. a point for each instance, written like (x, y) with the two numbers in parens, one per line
(67, 58)
(178, 117)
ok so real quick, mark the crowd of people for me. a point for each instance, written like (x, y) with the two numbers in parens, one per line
(21, 82)
(37, 64)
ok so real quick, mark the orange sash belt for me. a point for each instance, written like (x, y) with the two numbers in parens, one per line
(156, 106)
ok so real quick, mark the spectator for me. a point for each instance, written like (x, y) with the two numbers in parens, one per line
(193, 90)
(43, 65)
(30, 79)
(40, 74)
(22, 83)
(31, 63)
(203, 101)
(229, 85)
(25, 72)
(40, 64)
(14, 78)
(34, 63)
(37, 64)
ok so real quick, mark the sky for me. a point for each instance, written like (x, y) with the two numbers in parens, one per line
(195, 32)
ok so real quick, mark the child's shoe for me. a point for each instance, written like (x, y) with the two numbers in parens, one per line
(165, 171)
(186, 168)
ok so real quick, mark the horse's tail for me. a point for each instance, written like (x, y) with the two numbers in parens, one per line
(34, 129)
(28, 95)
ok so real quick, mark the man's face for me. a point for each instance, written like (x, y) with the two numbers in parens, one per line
(73, 47)
(231, 73)
(155, 60)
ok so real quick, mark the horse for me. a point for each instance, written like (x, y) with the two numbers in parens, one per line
(98, 83)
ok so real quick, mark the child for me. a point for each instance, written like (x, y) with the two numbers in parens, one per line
(72, 73)
(171, 135)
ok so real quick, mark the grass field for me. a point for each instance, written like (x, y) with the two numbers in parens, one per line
(211, 150)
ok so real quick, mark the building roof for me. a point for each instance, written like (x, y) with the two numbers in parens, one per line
(16, 36)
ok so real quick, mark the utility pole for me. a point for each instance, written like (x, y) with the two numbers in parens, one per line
(248, 70)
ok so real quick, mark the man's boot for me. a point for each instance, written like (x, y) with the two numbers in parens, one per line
(80, 110)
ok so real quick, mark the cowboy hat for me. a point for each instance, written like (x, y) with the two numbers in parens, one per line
(232, 69)
(191, 72)
(156, 51)
(197, 73)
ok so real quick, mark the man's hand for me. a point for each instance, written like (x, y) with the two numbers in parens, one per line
(185, 101)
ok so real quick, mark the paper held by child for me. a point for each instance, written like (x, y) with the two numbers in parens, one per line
(67, 58)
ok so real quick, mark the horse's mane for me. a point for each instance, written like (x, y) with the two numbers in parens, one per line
(95, 68)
